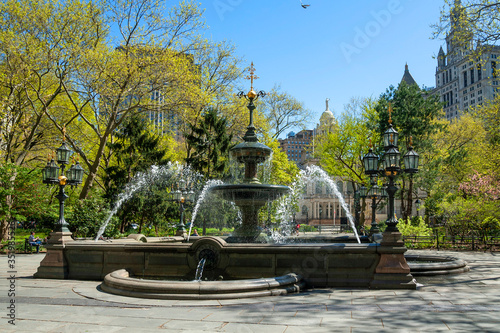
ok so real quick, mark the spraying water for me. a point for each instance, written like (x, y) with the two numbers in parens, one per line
(315, 173)
(199, 269)
(204, 192)
(141, 181)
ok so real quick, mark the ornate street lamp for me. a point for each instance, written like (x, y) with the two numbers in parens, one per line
(391, 168)
(73, 177)
(181, 195)
(370, 162)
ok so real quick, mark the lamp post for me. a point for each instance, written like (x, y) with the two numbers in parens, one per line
(357, 208)
(181, 195)
(417, 205)
(73, 177)
(320, 214)
(391, 167)
(55, 264)
(348, 194)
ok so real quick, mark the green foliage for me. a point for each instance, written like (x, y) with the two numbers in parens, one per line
(342, 149)
(474, 24)
(307, 228)
(490, 225)
(87, 217)
(209, 144)
(414, 228)
(23, 197)
(135, 149)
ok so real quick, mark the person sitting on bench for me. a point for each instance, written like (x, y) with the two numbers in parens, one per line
(34, 241)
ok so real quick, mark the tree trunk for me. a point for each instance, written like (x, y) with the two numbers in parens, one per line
(95, 165)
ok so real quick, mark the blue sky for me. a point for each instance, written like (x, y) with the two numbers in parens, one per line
(333, 49)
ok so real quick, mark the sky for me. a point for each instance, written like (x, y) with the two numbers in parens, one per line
(332, 49)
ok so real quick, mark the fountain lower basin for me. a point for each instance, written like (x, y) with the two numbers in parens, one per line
(121, 283)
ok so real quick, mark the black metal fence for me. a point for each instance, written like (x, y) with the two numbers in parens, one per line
(443, 242)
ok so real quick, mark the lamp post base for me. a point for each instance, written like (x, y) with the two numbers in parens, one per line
(392, 271)
(55, 265)
(181, 232)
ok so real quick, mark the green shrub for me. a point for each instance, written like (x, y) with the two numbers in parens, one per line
(415, 228)
(87, 217)
(307, 228)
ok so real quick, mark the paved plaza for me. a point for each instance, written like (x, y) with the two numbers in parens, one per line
(468, 302)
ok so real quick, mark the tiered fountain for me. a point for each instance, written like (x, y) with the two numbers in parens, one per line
(251, 195)
(239, 266)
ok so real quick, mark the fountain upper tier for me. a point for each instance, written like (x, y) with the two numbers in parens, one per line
(250, 194)
(251, 154)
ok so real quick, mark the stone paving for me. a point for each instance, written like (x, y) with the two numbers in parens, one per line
(468, 302)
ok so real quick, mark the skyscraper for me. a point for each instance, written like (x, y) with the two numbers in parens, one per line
(464, 80)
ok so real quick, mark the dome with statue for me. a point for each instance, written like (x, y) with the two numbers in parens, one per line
(327, 120)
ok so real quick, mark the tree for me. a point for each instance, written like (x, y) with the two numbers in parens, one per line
(22, 195)
(283, 111)
(40, 45)
(489, 115)
(150, 70)
(342, 149)
(210, 144)
(135, 149)
(461, 149)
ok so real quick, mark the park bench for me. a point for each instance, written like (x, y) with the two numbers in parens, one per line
(27, 246)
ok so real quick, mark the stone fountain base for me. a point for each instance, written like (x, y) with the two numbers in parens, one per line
(319, 264)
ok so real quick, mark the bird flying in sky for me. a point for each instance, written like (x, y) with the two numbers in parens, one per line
(303, 6)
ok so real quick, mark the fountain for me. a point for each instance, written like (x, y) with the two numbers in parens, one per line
(250, 196)
(241, 265)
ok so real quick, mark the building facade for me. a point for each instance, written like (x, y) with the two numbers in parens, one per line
(298, 146)
(462, 80)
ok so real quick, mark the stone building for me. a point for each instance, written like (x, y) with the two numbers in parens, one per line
(461, 81)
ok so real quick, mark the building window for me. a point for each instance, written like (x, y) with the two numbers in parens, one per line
(465, 79)
(319, 188)
(494, 68)
(479, 73)
(471, 76)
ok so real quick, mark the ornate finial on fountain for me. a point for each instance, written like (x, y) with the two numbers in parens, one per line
(252, 94)
(250, 135)
(327, 100)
